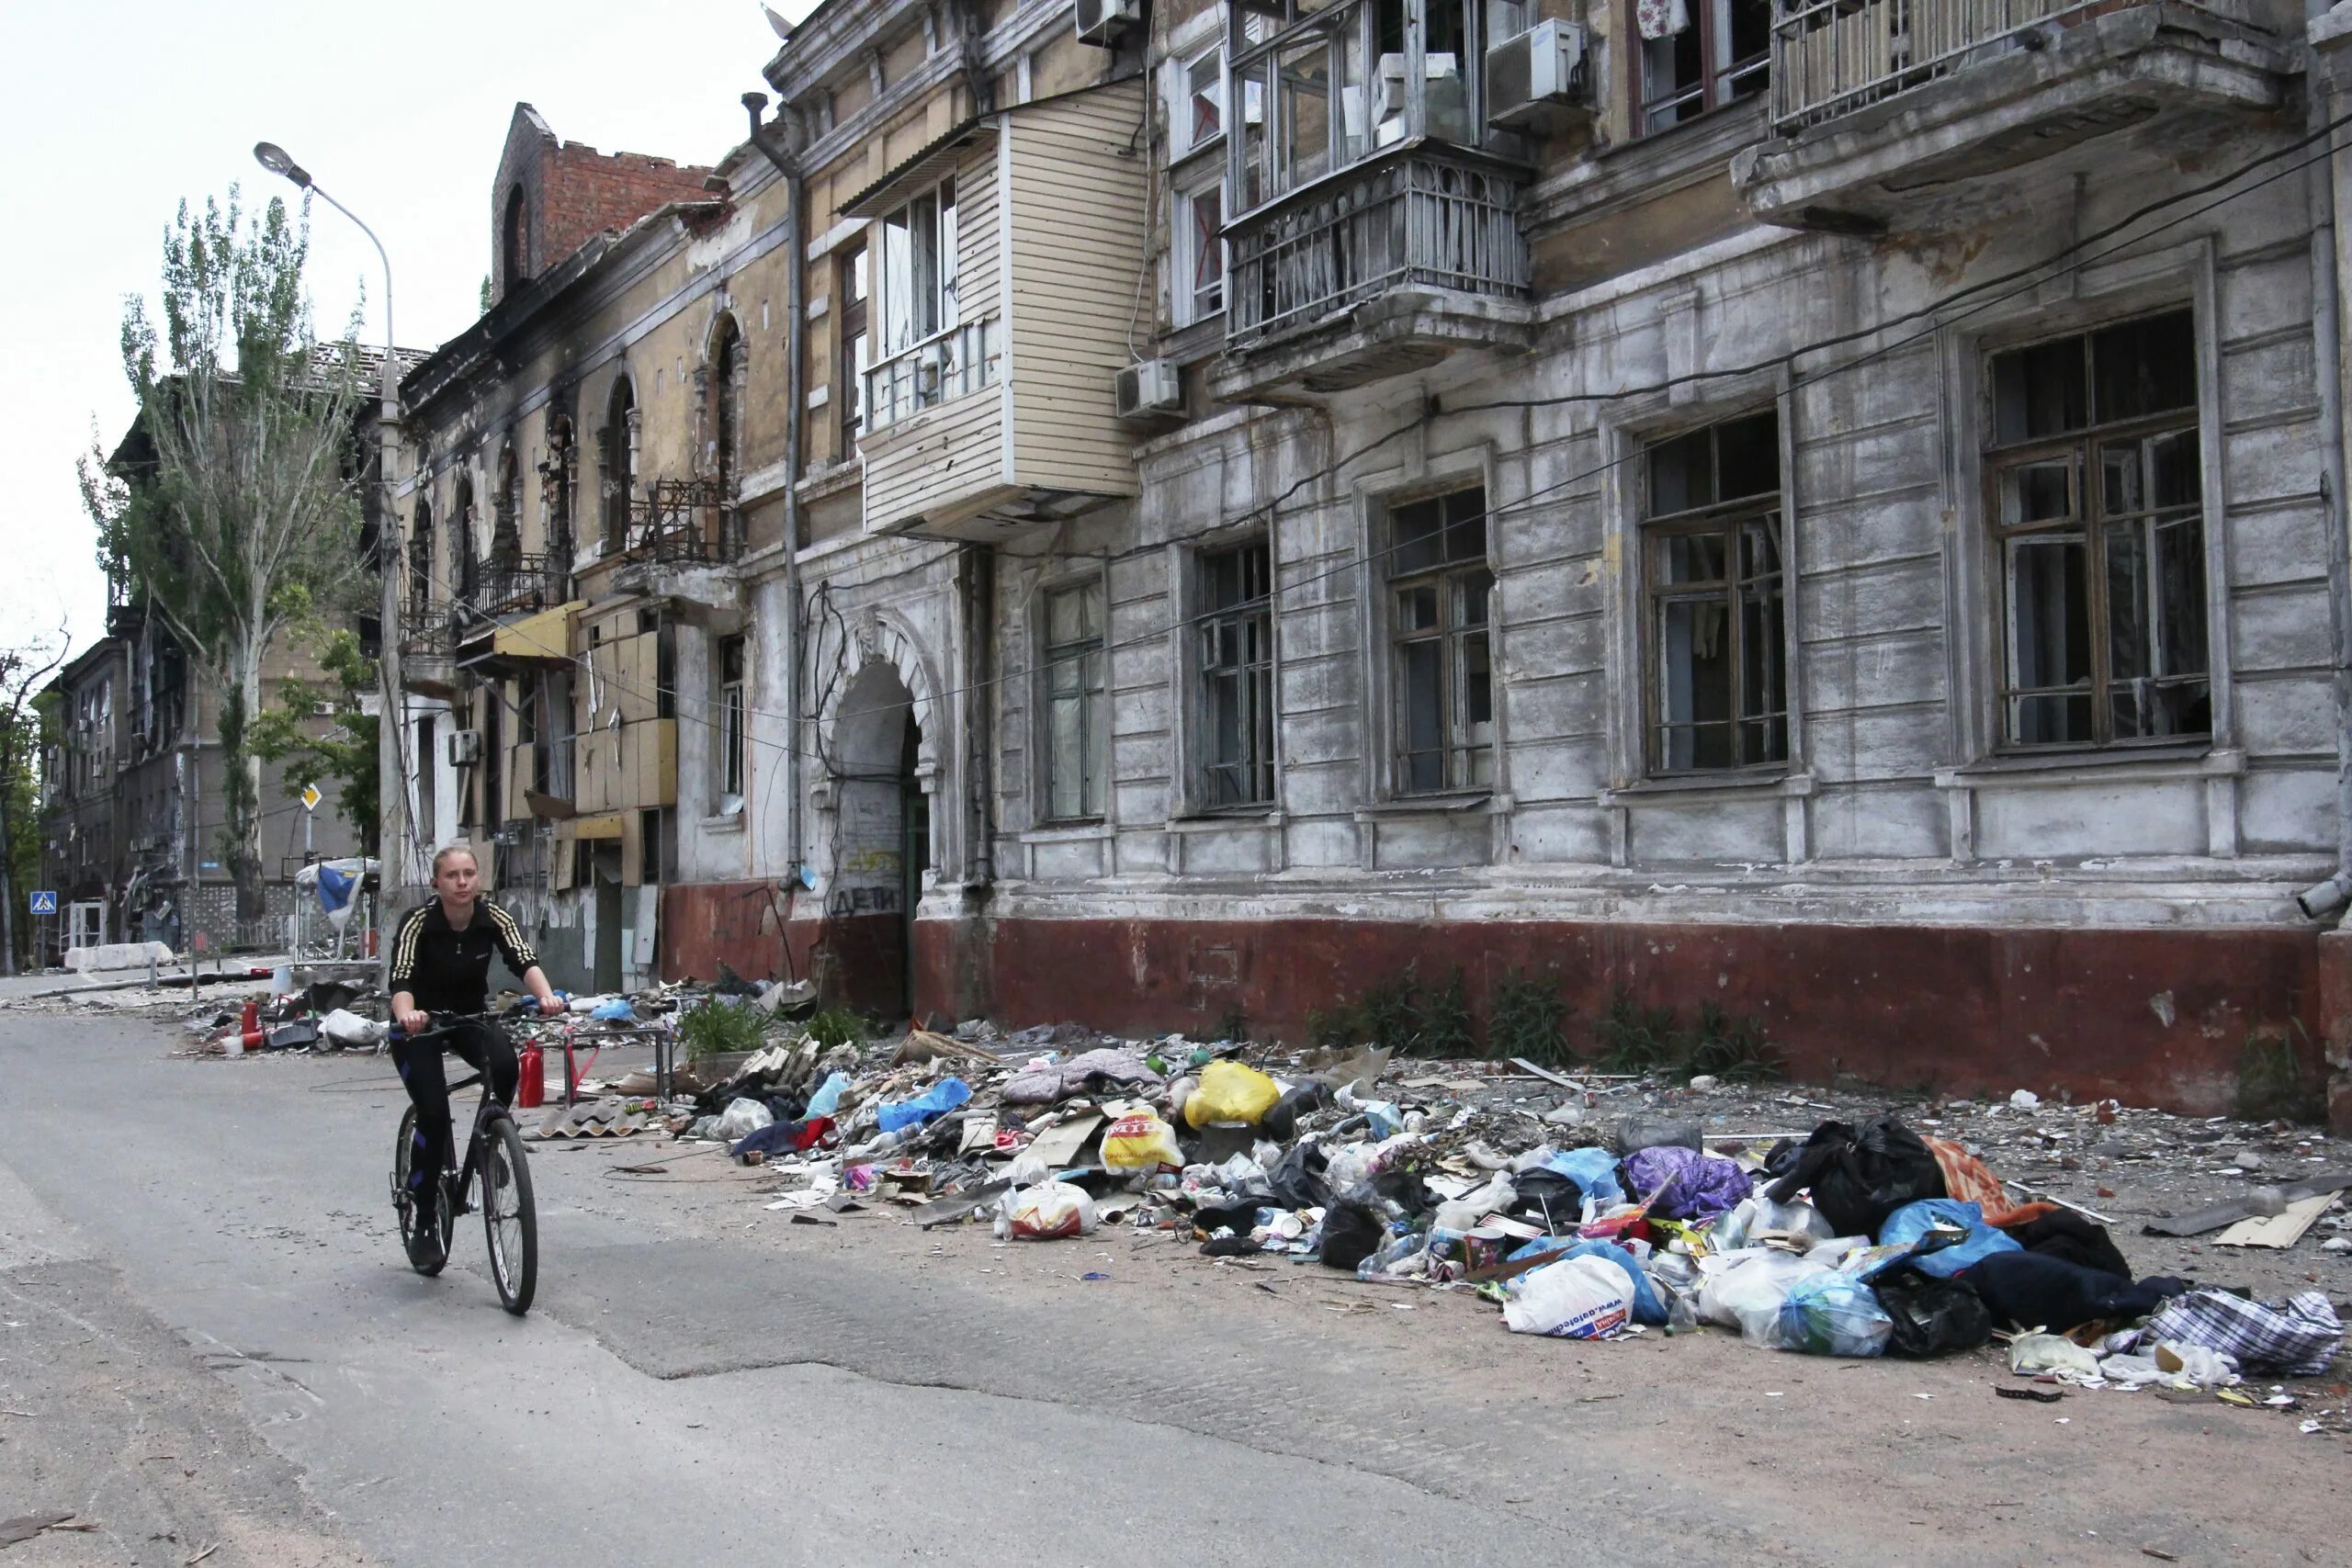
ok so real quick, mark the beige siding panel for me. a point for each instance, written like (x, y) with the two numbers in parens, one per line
(1077, 207)
(977, 263)
(928, 465)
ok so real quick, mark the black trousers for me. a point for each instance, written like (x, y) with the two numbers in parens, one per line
(482, 1046)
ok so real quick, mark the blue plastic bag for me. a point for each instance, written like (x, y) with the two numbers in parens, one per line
(827, 1100)
(1912, 1221)
(1649, 1307)
(1593, 1171)
(940, 1098)
(613, 1010)
(1833, 1314)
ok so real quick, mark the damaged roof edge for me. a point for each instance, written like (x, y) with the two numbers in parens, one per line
(520, 308)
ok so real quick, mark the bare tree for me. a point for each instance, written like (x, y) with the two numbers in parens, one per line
(240, 516)
(23, 673)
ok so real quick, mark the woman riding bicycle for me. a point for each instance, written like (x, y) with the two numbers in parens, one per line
(441, 956)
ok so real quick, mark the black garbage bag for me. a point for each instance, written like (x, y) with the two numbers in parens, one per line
(1931, 1316)
(2032, 1289)
(1548, 1199)
(1405, 1188)
(1297, 1179)
(1351, 1232)
(1281, 1121)
(1858, 1176)
(2065, 1233)
(1239, 1218)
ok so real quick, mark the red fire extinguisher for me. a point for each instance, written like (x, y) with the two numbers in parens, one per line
(249, 1026)
(531, 1090)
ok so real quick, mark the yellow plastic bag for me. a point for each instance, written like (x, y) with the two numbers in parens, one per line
(1230, 1092)
(1140, 1142)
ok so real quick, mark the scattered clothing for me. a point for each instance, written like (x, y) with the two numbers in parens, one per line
(1086, 1073)
(2298, 1337)
(1688, 1184)
(2031, 1290)
(1967, 1177)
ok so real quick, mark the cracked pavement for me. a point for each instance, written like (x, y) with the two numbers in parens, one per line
(196, 1259)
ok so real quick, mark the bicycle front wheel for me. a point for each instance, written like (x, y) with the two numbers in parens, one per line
(509, 1218)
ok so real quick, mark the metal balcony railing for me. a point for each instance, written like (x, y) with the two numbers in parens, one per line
(425, 629)
(946, 365)
(689, 521)
(1418, 217)
(518, 584)
(1831, 57)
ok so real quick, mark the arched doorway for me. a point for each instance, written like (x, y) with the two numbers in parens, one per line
(881, 833)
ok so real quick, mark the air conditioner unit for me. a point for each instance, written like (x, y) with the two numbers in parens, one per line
(1527, 74)
(1149, 387)
(465, 748)
(1105, 22)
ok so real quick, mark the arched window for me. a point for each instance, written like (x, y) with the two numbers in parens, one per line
(555, 492)
(419, 559)
(461, 540)
(514, 244)
(617, 450)
(506, 512)
(727, 366)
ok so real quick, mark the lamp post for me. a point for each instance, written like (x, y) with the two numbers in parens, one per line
(397, 831)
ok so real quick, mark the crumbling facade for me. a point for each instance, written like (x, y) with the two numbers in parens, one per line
(1830, 511)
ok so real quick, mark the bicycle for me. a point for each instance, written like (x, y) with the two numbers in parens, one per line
(495, 1156)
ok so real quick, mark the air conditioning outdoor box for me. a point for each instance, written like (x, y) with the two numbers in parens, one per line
(1530, 74)
(465, 748)
(1105, 22)
(1149, 387)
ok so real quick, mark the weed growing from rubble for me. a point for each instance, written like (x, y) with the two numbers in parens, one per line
(1732, 1049)
(1633, 1038)
(2272, 1085)
(716, 1027)
(1530, 1020)
(1390, 1012)
(836, 1026)
(1233, 1025)
(1446, 1027)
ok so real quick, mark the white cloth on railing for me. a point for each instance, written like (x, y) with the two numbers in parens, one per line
(1661, 18)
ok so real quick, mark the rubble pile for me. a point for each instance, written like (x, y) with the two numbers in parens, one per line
(1579, 1205)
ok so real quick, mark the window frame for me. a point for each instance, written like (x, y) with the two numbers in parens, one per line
(1453, 634)
(1093, 700)
(1188, 302)
(1726, 519)
(1713, 20)
(732, 752)
(855, 351)
(2081, 449)
(1254, 674)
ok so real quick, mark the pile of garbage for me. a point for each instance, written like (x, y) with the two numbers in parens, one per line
(1860, 1238)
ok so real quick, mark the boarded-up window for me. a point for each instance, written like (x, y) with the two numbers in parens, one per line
(1442, 675)
(2097, 508)
(1074, 699)
(1717, 644)
(1237, 676)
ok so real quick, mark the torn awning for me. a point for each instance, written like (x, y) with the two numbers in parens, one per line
(932, 163)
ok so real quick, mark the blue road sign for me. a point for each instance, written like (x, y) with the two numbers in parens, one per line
(44, 902)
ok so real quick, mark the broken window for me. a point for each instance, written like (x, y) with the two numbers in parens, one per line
(1711, 555)
(856, 348)
(732, 725)
(618, 452)
(2097, 509)
(1237, 674)
(919, 361)
(1700, 54)
(1075, 704)
(1440, 586)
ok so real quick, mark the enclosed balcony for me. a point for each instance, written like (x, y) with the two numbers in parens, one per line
(1900, 111)
(1375, 225)
(1002, 260)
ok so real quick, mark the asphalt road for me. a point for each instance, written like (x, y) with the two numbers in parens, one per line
(211, 1340)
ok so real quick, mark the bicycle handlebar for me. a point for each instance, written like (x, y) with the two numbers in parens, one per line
(446, 1021)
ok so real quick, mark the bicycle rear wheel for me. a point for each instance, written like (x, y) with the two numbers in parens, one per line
(510, 1219)
(404, 1203)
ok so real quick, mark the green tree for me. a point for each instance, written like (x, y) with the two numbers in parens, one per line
(323, 731)
(23, 673)
(240, 517)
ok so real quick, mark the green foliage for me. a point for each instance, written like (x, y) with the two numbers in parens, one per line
(1446, 1027)
(1233, 1025)
(322, 732)
(235, 513)
(1530, 1020)
(836, 1026)
(1390, 1012)
(1732, 1049)
(1333, 1029)
(717, 1026)
(1633, 1038)
(485, 294)
(2273, 1085)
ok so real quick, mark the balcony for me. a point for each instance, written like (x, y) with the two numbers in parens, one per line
(1381, 269)
(990, 414)
(1900, 111)
(684, 536)
(515, 585)
(428, 644)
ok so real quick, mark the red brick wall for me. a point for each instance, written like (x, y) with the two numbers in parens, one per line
(571, 192)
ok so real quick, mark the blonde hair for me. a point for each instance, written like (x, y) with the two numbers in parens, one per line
(459, 847)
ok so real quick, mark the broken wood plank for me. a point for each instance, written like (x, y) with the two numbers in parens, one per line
(2281, 1230)
(2236, 1208)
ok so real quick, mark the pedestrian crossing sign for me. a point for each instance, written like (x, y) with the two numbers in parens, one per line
(44, 901)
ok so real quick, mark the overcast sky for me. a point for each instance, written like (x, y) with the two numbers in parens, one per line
(110, 114)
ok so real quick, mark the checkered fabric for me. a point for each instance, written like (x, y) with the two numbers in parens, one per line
(2299, 1335)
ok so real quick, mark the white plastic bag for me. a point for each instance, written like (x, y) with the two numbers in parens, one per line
(348, 1029)
(1743, 1289)
(2034, 1353)
(1046, 1212)
(1578, 1298)
(742, 1117)
(1753, 1217)
(1465, 1213)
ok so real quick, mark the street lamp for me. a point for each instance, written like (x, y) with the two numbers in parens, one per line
(273, 158)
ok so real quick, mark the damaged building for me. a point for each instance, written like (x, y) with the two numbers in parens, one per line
(1177, 514)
